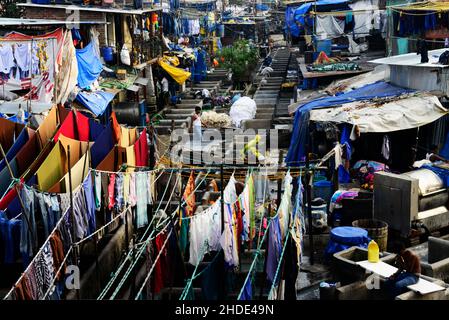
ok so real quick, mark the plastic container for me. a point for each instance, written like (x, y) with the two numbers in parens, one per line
(377, 230)
(373, 252)
(107, 53)
(342, 238)
(323, 189)
(324, 45)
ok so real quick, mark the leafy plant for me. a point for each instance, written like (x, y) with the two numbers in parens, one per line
(240, 57)
(8, 9)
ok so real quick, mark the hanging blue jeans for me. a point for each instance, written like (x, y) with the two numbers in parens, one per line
(28, 240)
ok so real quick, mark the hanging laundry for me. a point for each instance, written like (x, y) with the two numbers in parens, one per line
(10, 237)
(97, 183)
(88, 190)
(298, 220)
(386, 147)
(111, 191)
(285, 207)
(119, 199)
(152, 196)
(274, 248)
(205, 233)
(132, 190)
(247, 200)
(28, 239)
(228, 240)
(247, 293)
(141, 150)
(6, 58)
(126, 181)
(57, 249)
(89, 66)
(44, 271)
(142, 201)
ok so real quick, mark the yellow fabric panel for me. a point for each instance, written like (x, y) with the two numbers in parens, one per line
(52, 169)
(79, 172)
(132, 136)
(179, 75)
(130, 158)
(124, 137)
(48, 127)
(77, 148)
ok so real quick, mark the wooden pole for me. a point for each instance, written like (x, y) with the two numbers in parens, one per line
(33, 235)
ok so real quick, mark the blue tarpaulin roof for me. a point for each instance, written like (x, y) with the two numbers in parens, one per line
(97, 101)
(379, 89)
(89, 66)
(297, 15)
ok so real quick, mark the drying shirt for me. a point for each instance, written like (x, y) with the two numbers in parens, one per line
(164, 83)
(151, 188)
(142, 201)
(132, 190)
(126, 178)
(22, 54)
(97, 182)
(6, 58)
(205, 233)
(111, 189)
(285, 206)
(27, 243)
(274, 249)
(80, 215)
(228, 238)
(44, 271)
(119, 191)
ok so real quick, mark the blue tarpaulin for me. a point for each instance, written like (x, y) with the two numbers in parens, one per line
(342, 238)
(89, 66)
(97, 101)
(380, 89)
(300, 13)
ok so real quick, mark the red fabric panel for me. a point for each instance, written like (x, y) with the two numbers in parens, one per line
(67, 128)
(82, 123)
(141, 150)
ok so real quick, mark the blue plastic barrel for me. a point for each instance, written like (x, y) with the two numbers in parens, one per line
(342, 238)
(107, 54)
(324, 45)
(323, 189)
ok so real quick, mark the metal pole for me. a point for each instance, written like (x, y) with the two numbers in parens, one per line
(309, 206)
(72, 214)
(222, 197)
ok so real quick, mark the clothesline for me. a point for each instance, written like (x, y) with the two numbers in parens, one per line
(37, 255)
(102, 228)
(273, 285)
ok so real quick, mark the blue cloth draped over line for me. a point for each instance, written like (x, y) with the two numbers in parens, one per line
(298, 15)
(380, 89)
(89, 66)
(97, 101)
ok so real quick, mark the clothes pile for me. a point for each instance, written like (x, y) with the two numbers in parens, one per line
(211, 119)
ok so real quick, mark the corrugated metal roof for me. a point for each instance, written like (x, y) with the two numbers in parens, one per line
(413, 60)
(91, 8)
